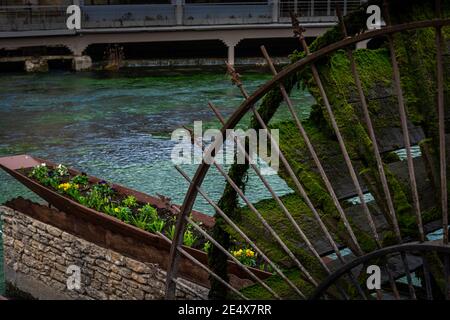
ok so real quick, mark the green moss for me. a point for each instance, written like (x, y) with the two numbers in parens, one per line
(270, 210)
(257, 292)
(390, 157)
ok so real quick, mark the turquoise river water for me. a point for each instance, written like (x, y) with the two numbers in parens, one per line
(118, 126)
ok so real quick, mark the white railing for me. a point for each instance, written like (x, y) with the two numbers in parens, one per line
(123, 16)
(22, 18)
(25, 18)
(316, 9)
(227, 13)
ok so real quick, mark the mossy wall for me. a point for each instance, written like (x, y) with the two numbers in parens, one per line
(416, 56)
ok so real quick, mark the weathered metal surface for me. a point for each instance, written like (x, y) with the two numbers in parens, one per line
(401, 248)
(403, 137)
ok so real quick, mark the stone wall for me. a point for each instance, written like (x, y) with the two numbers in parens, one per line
(37, 257)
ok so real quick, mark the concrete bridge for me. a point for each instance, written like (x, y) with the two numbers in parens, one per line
(36, 25)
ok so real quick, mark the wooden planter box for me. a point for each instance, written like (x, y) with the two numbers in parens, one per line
(109, 232)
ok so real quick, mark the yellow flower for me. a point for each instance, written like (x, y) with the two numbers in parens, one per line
(116, 210)
(64, 186)
(249, 253)
(237, 253)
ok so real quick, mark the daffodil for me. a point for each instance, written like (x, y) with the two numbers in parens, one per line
(249, 253)
(237, 253)
(66, 186)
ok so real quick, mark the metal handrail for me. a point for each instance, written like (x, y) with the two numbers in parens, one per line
(51, 17)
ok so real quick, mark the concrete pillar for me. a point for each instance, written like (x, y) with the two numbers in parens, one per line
(231, 44)
(36, 65)
(275, 11)
(81, 63)
(179, 11)
(231, 54)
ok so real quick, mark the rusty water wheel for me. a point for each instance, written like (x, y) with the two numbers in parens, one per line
(398, 245)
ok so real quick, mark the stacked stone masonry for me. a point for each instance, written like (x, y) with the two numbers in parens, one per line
(42, 254)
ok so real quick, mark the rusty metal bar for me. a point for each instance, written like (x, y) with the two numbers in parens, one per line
(447, 276)
(407, 144)
(427, 276)
(412, 291)
(380, 164)
(392, 283)
(273, 193)
(268, 227)
(412, 248)
(404, 125)
(371, 132)
(180, 228)
(299, 31)
(278, 200)
(232, 224)
(316, 158)
(313, 153)
(442, 142)
(235, 77)
(202, 266)
(238, 83)
(218, 245)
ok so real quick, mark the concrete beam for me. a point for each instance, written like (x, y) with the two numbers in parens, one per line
(78, 43)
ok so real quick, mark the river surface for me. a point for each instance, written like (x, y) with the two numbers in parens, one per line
(118, 126)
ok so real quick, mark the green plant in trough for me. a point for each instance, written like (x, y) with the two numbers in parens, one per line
(97, 200)
(148, 211)
(156, 225)
(123, 213)
(141, 221)
(109, 209)
(189, 238)
(62, 170)
(45, 176)
(207, 247)
(39, 172)
(103, 188)
(130, 202)
(171, 232)
(81, 180)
